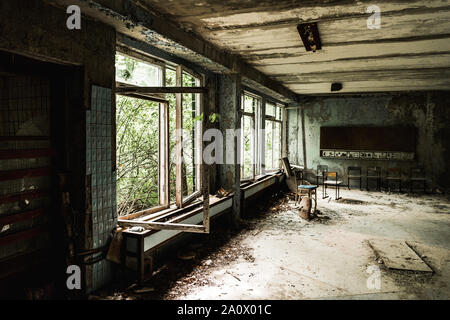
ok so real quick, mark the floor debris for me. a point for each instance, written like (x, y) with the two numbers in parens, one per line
(277, 255)
(396, 254)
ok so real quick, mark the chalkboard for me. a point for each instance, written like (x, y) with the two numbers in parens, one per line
(402, 139)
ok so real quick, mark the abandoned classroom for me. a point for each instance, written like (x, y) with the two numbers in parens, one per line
(204, 149)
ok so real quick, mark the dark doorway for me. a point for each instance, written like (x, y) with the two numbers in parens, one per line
(33, 159)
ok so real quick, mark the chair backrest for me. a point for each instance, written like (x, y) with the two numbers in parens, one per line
(373, 171)
(354, 169)
(322, 168)
(393, 172)
(287, 167)
(332, 174)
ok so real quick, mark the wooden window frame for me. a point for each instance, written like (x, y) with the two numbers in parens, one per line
(198, 134)
(273, 119)
(157, 94)
(256, 139)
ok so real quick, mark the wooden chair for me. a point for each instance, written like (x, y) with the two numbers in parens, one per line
(320, 173)
(356, 176)
(296, 184)
(417, 175)
(294, 178)
(394, 175)
(373, 173)
(329, 181)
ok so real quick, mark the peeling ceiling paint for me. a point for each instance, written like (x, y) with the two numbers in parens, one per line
(414, 35)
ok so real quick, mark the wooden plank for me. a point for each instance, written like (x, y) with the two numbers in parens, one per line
(25, 173)
(160, 98)
(192, 208)
(160, 90)
(164, 178)
(179, 141)
(143, 212)
(191, 198)
(167, 214)
(264, 180)
(396, 254)
(204, 168)
(162, 226)
(284, 137)
(205, 191)
(143, 97)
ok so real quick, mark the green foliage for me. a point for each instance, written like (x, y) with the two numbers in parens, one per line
(214, 117)
(199, 117)
(125, 67)
(137, 154)
(138, 139)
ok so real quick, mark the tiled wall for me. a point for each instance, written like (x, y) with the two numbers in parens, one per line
(103, 180)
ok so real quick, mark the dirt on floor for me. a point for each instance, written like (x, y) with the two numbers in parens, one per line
(232, 263)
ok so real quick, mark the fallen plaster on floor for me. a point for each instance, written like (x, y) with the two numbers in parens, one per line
(277, 255)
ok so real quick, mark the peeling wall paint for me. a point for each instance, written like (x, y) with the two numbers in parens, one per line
(427, 111)
(229, 177)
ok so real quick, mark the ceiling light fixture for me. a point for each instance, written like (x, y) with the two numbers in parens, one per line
(309, 33)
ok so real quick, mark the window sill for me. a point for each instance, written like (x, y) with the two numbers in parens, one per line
(174, 215)
(269, 173)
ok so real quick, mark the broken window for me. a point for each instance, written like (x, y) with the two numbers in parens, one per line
(273, 134)
(159, 143)
(191, 126)
(139, 139)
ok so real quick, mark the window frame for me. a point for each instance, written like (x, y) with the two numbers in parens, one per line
(259, 118)
(255, 115)
(165, 207)
(279, 108)
(197, 153)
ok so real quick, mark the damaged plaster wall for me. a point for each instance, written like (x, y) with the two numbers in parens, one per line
(229, 88)
(427, 111)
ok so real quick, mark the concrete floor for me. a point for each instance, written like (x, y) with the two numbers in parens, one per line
(285, 257)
